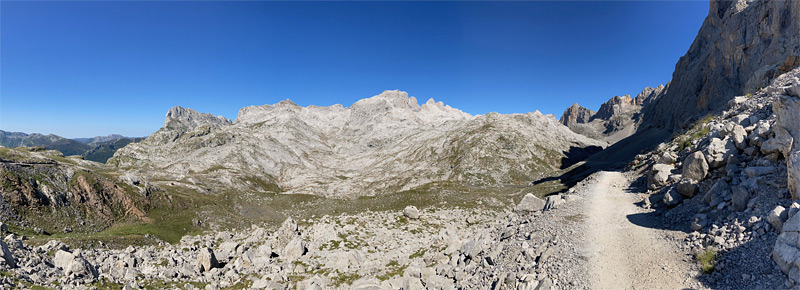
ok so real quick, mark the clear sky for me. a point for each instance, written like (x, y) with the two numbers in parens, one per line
(81, 69)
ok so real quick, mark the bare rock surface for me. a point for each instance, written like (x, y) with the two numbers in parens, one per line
(739, 214)
(616, 119)
(741, 46)
(382, 144)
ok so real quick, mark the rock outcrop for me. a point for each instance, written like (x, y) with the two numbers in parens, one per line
(741, 46)
(576, 114)
(386, 143)
(787, 110)
(179, 118)
(616, 119)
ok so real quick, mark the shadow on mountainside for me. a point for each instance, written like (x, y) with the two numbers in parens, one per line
(577, 154)
(614, 156)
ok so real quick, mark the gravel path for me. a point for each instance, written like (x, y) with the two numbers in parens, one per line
(624, 252)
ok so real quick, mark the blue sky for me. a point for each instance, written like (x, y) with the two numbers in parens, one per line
(80, 69)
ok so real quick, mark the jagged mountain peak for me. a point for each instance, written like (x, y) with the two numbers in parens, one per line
(576, 114)
(384, 143)
(385, 107)
(648, 95)
(180, 118)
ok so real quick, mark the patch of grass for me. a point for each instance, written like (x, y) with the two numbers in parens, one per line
(707, 259)
(296, 277)
(698, 130)
(354, 244)
(344, 278)
(393, 268)
(418, 254)
(331, 245)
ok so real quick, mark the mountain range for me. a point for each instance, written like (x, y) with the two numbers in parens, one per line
(715, 143)
(97, 149)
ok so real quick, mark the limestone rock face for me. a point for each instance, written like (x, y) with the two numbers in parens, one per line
(188, 119)
(786, 252)
(740, 47)
(616, 119)
(386, 143)
(787, 111)
(615, 106)
(648, 95)
(576, 114)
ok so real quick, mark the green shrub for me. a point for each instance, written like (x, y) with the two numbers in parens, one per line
(707, 259)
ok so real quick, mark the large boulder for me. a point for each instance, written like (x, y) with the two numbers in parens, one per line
(741, 196)
(695, 166)
(786, 252)
(70, 264)
(206, 260)
(659, 175)
(787, 111)
(668, 158)
(777, 216)
(719, 189)
(672, 197)
(411, 212)
(718, 151)
(687, 187)
(736, 133)
(6, 255)
(793, 166)
(295, 249)
(530, 203)
(780, 143)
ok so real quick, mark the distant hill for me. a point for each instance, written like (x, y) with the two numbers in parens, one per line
(97, 149)
(100, 139)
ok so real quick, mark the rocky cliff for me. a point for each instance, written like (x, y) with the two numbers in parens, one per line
(741, 46)
(617, 118)
(386, 143)
(576, 114)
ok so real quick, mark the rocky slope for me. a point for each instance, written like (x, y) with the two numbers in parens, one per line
(618, 118)
(741, 46)
(729, 182)
(383, 144)
(43, 190)
(435, 248)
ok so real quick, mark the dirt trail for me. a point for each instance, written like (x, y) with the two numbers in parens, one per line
(623, 254)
